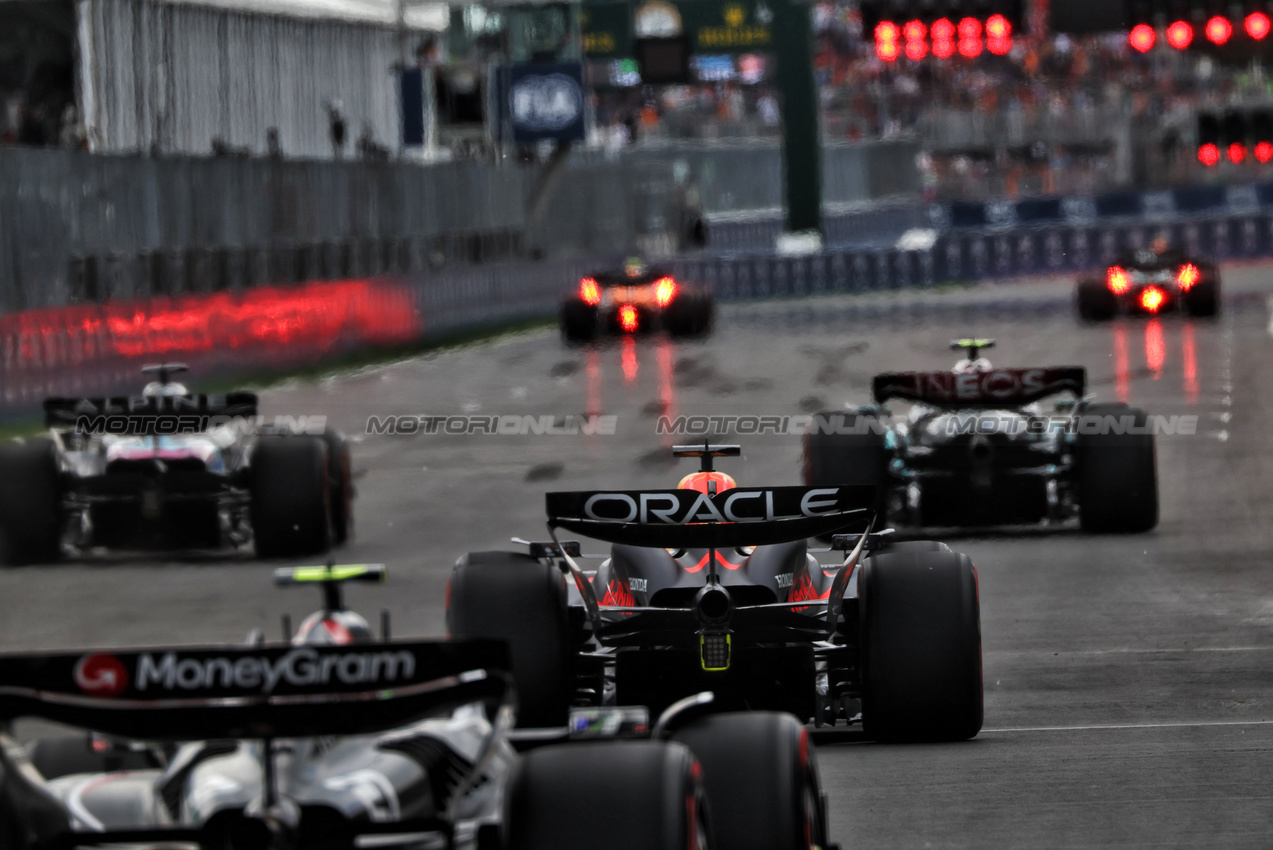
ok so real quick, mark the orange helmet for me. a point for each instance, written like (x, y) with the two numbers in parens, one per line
(703, 481)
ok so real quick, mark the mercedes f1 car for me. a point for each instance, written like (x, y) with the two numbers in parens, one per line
(339, 741)
(1151, 281)
(634, 300)
(168, 469)
(714, 587)
(976, 449)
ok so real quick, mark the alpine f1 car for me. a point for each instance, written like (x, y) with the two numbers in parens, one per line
(168, 469)
(339, 741)
(710, 586)
(1151, 281)
(634, 300)
(976, 449)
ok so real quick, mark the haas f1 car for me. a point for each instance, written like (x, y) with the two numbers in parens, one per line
(339, 741)
(168, 469)
(635, 300)
(1151, 281)
(713, 587)
(976, 449)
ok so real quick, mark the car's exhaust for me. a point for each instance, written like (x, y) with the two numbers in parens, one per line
(713, 605)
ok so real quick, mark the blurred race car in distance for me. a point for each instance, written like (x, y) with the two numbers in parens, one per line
(976, 449)
(168, 469)
(1149, 282)
(635, 299)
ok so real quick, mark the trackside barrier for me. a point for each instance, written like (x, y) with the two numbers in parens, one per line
(96, 348)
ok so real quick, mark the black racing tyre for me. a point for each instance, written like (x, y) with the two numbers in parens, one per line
(514, 597)
(689, 315)
(1203, 300)
(54, 757)
(1116, 473)
(30, 817)
(621, 795)
(833, 457)
(291, 497)
(339, 476)
(578, 321)
(762, 783)
(920, 638)
(1095, 302)
(30, 503)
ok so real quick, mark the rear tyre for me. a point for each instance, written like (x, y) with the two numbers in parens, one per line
(1117, 476)
(514, 597)
(54, 757)
(1203, 300)
(291, 497)
(689, 315)
(1095, 302)
(578, 321)
(623, 795)
(340, 481)
(920, 638)
(761, 779)
(838, 457)
(30, 503)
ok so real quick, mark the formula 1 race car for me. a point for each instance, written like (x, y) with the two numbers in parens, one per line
(168, 469)
(976, 449)
(714, 587)
(1151, 281)
(340, 741)
(634, 300)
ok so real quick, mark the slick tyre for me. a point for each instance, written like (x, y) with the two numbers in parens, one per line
(920, 637)
(578, 321)
(836, 453)
(1203, 301)
(689, 315)
(622, 795)
(762, 783)
(291, 497)
(54, 757)
(514, 597)
(30, 503)
(1095, 302)
(1117, 474)
(340, 482)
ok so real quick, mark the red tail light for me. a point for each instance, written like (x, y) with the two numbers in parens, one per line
(1257, 25)
(589, 292)
(1218, 30)
(628, 318)
(1152, 298)
(1209, 155)
(1188, 276)
(1142, 38)
(1180, 35)
(664, 291)
(1116, 280)
(1263, 151)
(1237, 152)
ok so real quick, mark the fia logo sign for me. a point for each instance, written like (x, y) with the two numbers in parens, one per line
(546, 102)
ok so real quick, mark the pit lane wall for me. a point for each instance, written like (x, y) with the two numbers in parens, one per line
(97, 348)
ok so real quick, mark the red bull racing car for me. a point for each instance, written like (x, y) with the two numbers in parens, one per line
(710, 586)
(634, 300)
(977, 449)
(1149, 282)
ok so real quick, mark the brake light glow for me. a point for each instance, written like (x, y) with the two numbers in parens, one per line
(1188, 276)
(1116, 280)
(589, 292)
(1152, 298)
(664, 291)
(628, 318)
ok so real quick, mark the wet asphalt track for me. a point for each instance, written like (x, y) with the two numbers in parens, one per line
(1129, 680)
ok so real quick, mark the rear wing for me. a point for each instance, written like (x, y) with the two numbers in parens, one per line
(181, 414)
(688, 519)
(195, 693)
(997, 387)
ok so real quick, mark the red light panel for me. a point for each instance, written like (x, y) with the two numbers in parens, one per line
(1142, 38)
(914, 31)
(942, 30)
(1263, 151)
(970, 48)
(1218, 30)
(969, 28)
(999, 46)
(1209, 155)
(887, 31)
(1236, 152)
(943, 48)
(997, 26)
(1256, 25)
(1180, 35)
(916, 50)
(886, 50)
